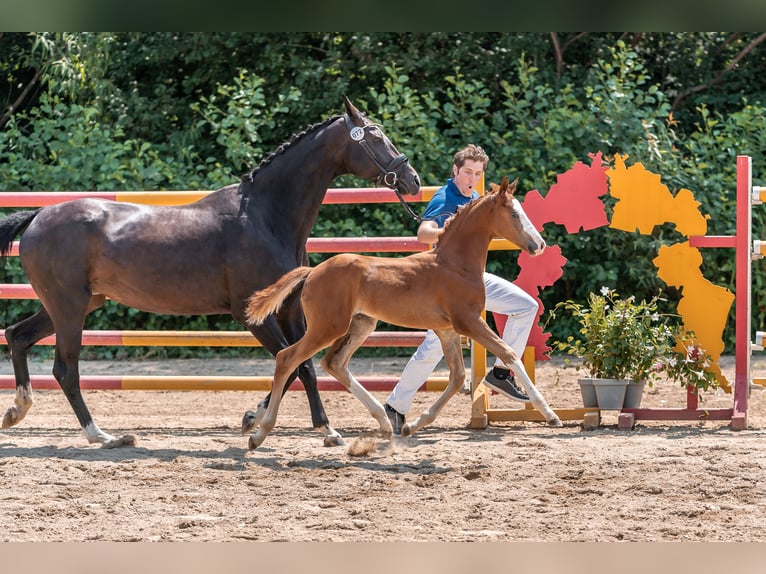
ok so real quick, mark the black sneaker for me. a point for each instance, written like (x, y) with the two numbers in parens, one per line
(396, 418)
(505, 384)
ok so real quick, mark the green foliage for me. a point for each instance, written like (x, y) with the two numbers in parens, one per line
(242, 119)
(133, 111)
(64, 146)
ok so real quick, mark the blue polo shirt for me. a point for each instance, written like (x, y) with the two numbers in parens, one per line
(445, 202)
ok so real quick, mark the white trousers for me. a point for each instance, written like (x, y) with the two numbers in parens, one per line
(503, 297)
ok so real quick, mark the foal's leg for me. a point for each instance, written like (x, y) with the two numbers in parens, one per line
(479, 331)
(294, 326)
(287, 361)
(273, 340)
(336, 362)
(21, 337)
(453, 355)
(274, 337)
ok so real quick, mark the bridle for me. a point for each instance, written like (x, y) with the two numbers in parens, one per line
(389, 174)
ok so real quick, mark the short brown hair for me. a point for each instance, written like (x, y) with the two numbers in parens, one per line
(472, 152)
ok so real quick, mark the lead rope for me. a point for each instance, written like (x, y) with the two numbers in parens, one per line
(407, 207)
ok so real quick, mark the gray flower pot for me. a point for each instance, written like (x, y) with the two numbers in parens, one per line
(633, 394)
(588, 393)
(610, 393)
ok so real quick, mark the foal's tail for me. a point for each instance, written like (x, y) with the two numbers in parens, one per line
(11, 226)
(269, 300)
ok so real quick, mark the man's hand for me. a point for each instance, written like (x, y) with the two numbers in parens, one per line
(429, 232)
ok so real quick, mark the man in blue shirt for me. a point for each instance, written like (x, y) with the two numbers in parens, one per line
(502, 296)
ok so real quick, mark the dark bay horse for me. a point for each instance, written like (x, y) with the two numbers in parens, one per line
(441, 289)
(203, 258)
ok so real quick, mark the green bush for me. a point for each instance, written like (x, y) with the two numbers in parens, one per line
(141, 111)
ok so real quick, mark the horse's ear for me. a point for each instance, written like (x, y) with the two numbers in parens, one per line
(493, 187)
(351, 110)
(505, 188)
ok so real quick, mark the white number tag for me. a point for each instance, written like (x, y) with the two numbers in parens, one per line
(357, 134)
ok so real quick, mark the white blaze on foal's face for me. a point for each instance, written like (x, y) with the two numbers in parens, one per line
(529, 227)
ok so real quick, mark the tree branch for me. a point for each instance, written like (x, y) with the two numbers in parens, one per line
(5, 118)
(572, 40)
(557, 53)
(726, 42)
(558, 49)
(719, 76)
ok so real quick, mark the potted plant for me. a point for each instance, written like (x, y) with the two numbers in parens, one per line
(689, 364)
(625, 344)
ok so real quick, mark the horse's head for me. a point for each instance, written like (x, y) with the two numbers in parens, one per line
(511, 222)
(373, 156)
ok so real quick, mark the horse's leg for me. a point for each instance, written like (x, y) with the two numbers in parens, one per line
(336, 362)
(479, 331)
(287, 361)
(68, 322)
(20, 338)
(453, 355)
(307, 375)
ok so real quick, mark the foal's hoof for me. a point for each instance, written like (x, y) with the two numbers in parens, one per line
(10, 419)
(13, 417)
(555, 422)
(249, 422)
(254, 442)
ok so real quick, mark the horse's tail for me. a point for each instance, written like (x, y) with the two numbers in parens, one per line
(263, 303)
(11, 226)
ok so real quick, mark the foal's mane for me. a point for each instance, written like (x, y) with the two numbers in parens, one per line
(455, 220)
(293, 140)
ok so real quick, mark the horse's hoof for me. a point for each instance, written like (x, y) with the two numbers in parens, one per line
(249, 422)
(406, 430)
(555, 422)
(127, 440)
(334, 441)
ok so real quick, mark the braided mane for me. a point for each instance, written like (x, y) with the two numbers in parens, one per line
(294, 139)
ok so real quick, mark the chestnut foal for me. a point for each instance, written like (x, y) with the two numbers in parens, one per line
(442, 289)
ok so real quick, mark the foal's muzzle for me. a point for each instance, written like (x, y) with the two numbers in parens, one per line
(537, 249)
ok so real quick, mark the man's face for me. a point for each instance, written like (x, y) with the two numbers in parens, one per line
(468, 176)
